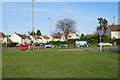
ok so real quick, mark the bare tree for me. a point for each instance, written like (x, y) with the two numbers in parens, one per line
(57, 35)
(66, 26)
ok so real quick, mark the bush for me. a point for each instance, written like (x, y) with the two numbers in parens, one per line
(71, 41)
(13, 44)
(117, 41)
(107, 39)
(56, 42)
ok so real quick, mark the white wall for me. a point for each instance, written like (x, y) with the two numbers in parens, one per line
(16, 38)
(115, 34)
(73, 36)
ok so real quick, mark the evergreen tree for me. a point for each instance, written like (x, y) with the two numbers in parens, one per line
(38, 33)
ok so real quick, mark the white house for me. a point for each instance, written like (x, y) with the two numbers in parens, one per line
(20, 38)
(37, 39)
(73, 36)
(45, 39)
(114, 31)
(4, 38)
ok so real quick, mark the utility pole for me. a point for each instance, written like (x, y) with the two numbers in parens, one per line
(114, 20)
(114, 26)
(33, 21)
(50, 28)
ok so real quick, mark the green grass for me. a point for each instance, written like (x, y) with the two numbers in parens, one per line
(59, 64)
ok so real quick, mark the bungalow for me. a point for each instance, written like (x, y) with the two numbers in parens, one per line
(73, 36)
(114, 31)
(20, 38)
(56, 38)
(4, 38)
(37, 39)
(45, 39)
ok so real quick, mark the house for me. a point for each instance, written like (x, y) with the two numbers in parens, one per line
(73, 36)
(19, 38)
(4, 38)
(61, 37)
(45, 39)
(37, 39)
(113, 31)
(56, 38)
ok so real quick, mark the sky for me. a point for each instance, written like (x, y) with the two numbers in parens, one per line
(17, 16)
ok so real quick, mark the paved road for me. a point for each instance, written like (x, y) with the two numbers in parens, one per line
(105, 49)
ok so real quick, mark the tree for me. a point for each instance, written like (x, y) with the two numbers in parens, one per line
(38, 33)
(66, 26)
(32, 33)
(57, 35)
(103, 25)
(82, 35)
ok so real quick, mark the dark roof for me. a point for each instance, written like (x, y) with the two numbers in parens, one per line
(45, 37)
(114, 27)
(9, 41)
(37, 37)
(23, 36)
(2, 34)
(57, 37)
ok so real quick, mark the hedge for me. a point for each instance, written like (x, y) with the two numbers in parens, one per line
(13, 44)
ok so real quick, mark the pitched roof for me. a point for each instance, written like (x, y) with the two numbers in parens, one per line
(9, 41)
(114, 27)
(23, 36)
(2, 34)
(55, 36)
(37, 37)
(45, 37)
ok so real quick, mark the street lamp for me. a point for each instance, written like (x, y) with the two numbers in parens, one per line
(113, 19)
(33, 21)
(50, 27)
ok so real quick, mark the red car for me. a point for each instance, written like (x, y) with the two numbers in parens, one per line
(25, 47)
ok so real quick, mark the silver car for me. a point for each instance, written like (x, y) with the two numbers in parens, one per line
(105, 44)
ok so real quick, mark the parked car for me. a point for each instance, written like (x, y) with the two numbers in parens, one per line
(105, 44)
(36, 44)
(63, 46)
(25, 47)
(82, 44)
(48, 46)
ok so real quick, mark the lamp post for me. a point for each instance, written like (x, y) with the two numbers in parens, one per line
(113, 19)
(113, 26)
(50, 28)
(6, 36)
(33, 21)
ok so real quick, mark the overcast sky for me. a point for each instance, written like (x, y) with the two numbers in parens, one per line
(17, 16)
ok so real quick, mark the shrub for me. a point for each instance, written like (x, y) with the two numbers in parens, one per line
(71, 41)
(118, 41)
(13, 44)
(56, 42)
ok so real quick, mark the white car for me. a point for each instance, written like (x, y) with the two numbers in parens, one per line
(105, 44)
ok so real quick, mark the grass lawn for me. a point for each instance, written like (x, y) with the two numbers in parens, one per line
(59, 64)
